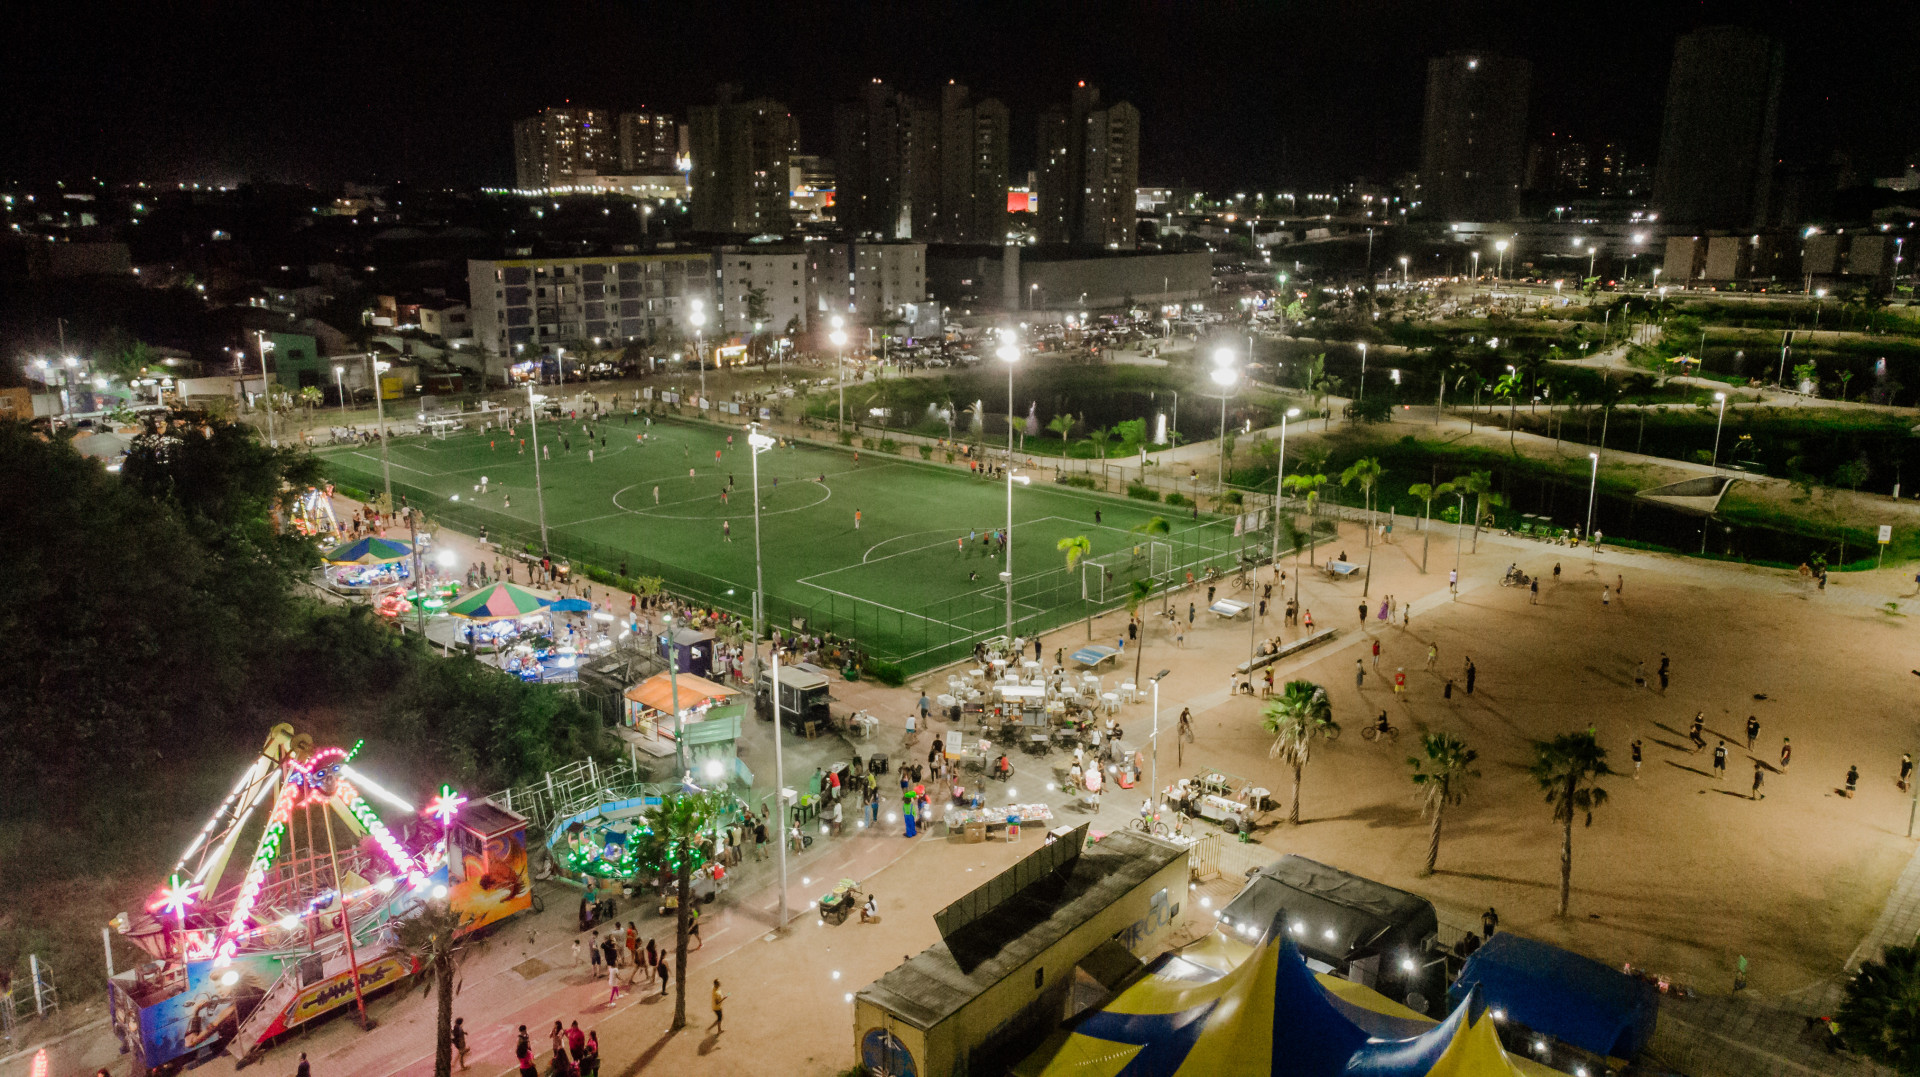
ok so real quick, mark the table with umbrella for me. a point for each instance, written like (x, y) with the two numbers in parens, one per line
(499, 615)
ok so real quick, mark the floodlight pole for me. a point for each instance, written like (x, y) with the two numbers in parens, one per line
(779, 789)
(758, 443)
(539, 495)
(380, 410)
(266, 384)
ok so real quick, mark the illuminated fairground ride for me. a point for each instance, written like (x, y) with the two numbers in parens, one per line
(309, 927)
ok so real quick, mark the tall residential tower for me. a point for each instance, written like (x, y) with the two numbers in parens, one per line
(1473, 146)
(1716, 142)
(1088, 158)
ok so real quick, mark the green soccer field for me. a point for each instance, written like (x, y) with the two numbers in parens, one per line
(905, 583)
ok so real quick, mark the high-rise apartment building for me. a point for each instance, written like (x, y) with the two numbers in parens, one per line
(562, 144)
(1089, 167)
(1716, 141)
(649, 143)
(740, 152)
(1473, 144)
(762, 287)
(906, 170)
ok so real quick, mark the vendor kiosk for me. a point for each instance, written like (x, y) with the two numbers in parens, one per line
(805, 693)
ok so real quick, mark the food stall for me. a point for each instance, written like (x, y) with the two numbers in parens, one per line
(689, 649)
(805, 693)
(1232, 802)
(981, 824)
(707, 717)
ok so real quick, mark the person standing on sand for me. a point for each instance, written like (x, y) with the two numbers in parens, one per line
(1906, 770)
(1363, 616)
(1720, 760)
(1694, 732)
(1853, 779)
(1473, 672)
(719, 1007)
(1759, 778)
(1753, 730)
(1376, 655)
(1786, 753)
(1359, 673)
(1637, 759)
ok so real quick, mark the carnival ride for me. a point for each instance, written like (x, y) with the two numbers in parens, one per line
(310, 926)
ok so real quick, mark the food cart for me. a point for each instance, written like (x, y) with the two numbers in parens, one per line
(980, 824)
(805, 695)
(1229, 801)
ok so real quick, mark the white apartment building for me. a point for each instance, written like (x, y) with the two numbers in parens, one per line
(871, 283)
(779, 273)
(524, 305)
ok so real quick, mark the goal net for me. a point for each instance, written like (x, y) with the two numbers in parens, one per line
(1108, 579)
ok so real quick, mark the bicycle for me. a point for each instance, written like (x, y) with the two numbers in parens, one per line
(1374, 733)
(1157, 827)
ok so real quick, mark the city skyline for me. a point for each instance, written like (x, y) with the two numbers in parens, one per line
(1299, 96)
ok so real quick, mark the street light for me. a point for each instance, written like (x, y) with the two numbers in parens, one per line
(266, 383)
(340, 387)
(1717, 424)
(539, 492)
(699, 319)
(758, 443)
(1279, 481)
(1224, 376)
(1593, 488)
(1476, 266)
(839, 339)
(1499, 246)
(1403, 273)
(1009, 354)
(1153, 751)
(1362, 394)
(380, 413)
(1006, 573)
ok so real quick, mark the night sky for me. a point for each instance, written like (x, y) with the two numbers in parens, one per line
(1232, 94)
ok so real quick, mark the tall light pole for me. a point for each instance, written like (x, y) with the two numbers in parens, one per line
(1006, 574)
(266, 384)
(1153, 750)
(1280, 482)
(1459, 540)
(699, 319)
(839, 338)
(1403, 273)
(1476, 266)
(1717, 424)
(1362, 394)
(1009, 353)
(1500, 260)
(380, 411)
(759, 443)
(340, 387)
(1593, 489)
(1224, 375)
(673, 686)
(539, 495)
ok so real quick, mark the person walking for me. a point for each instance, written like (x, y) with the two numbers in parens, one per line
(1399, 680)
(1637, 758)
(1359, 673)
(650, 958)
(576, 953)
(1753, 730)
(1906, 770)
(1606, 596)
(576, 1041)
(665, 965)
(1447, 692)
(1759, 778)
(1853, 779)
(1490, 921)
(593, 950)
(1665, 665)
(1376, 655)
(1363, 615)
(726, 530)
(856, 519)
(304, 1069)
(1453, 582)
(1694, 733)
(1533, 598)
(1786, 753)
(1433, 654)
(1473, 672)
(459, 1037)
(1720, 760)
(719, 1007)
(523, 1054)
(759, 839)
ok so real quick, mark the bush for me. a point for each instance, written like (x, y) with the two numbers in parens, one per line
(891, 674)
(888, 445)
(1084, 482)
(600, 575)
(352, 493)
(926, 452)
(846, 438)
(1178, 499)
(1142, 492)
(1233, 497)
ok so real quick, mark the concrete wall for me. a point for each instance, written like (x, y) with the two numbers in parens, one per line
(1685, 259)
(978, 278)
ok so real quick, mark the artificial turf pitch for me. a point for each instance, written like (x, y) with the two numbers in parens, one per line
(899, 584)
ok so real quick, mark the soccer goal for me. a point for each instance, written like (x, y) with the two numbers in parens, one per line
(1108, 579)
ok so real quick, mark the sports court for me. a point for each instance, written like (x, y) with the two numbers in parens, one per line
(905, 583)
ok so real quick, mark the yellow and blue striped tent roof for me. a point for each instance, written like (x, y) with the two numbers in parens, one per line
(1223, 1008)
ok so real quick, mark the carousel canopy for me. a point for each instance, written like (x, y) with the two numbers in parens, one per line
(369, 551)
(497, 602)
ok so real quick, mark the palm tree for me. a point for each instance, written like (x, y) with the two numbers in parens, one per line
(671, 840)
(1426, 492)
(1301, 715)
(1480, 485)
(1076, 547)
(1509, 387)
(1444, 776)
(1464, 376)
(429, 936)
(1568, 768)
(1313, 379)
(1061, 425)
(1307, 486)
(310, 398)
(1877, 1017)
(1365, 472)
(1137, 594)
(1098, 438)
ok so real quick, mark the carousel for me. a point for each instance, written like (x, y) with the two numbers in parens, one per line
(368, 566)
(502, 616)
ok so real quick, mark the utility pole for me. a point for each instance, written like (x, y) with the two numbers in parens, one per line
(266, 387)
(539, 495)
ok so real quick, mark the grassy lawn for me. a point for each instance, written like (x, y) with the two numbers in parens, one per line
(899, 583)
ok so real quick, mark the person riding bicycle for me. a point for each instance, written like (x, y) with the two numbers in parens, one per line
(1381, 726)
(1003, 769)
